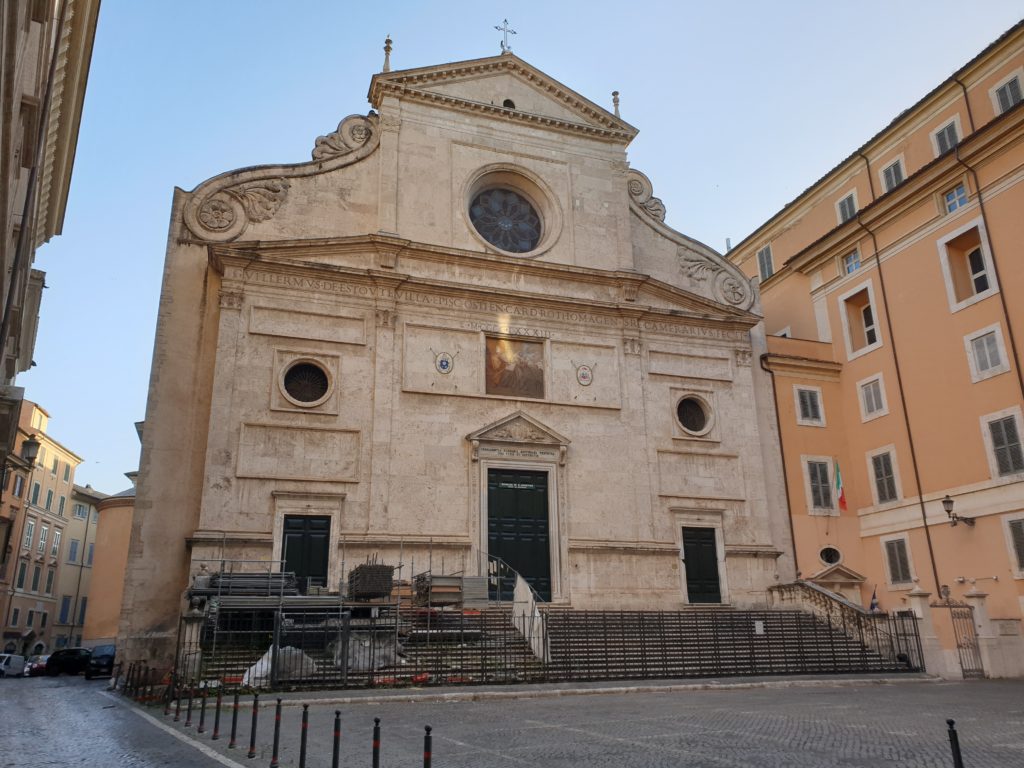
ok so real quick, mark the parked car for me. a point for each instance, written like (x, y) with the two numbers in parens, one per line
(71, 661)
(36, 665)
(11, 665)
(101, 662)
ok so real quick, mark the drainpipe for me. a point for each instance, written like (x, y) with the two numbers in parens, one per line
(867, 166)
(81, 569)
(782, 456)
(903, 401)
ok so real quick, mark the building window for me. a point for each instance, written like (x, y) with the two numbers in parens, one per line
(765, 267)
(79, 511)
(42, 619)
(30, 618)
(65, 609)
(955, 198)
(49, 581)
(19, 485)
(60, 505)
(30, 533)
(81, 611)
(306, 383)
(884, 476)
(1015, 530)
(55, 549)
(506, 220)
(15, 617)
(35, 493)
(846, 208)
(56, 465)
(808, 406)
(1008, 95)
(73, 551)
(36, 573)
(67, 472)
(1006, 448)
(986, 356)
(897, 558)
(694, 415)
(966, 267)
(859, 321)
(851, 262)
(22, 572)
(818, 471)
(830, 555)
(44, 534)
(49, 499)
(892, 175)
(945, 138)
(88, 559)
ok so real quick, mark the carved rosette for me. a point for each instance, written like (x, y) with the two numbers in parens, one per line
(224, 214)
(352, 133)
(726, 287)
(641, 192)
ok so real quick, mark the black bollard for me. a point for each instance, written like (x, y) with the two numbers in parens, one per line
(302, 735)
(427, 746)
(336, 753)
(954, 745)
(216, 717)
(127, 690)
(177, 705)
(376, 742)
(277, 735)
(202, 711)
(234, 722)
(188, 710)
(168, 693)
(252, 730)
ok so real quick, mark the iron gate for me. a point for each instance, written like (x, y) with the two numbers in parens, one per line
(961, 616)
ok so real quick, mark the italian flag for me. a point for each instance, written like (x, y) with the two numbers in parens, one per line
(840, 491)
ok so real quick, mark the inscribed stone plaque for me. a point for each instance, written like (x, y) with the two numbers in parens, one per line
(515, 368)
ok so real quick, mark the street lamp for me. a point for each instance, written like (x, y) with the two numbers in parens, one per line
(30, 449)
(954, 518)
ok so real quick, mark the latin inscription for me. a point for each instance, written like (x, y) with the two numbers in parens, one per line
(502, 452)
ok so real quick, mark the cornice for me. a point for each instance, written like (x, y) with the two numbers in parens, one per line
(796, 365)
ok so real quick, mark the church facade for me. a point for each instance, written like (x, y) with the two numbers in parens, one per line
(462, 330)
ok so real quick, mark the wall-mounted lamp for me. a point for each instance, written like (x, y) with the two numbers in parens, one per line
(30, 449)
(954, 518)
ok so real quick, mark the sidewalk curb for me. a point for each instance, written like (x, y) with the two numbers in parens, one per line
(460, 696)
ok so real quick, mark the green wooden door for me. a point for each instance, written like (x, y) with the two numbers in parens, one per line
(517, 524)
(306, 549)
(701, 556)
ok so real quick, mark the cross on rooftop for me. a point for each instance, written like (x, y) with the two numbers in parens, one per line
(506, 30)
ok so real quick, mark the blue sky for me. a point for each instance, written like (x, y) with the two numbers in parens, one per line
(740, 106)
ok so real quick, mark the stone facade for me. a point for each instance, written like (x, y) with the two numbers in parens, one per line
(440, 358)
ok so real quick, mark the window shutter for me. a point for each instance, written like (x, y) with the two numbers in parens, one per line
(899, 564)
(1017, 536)
(1006, 445)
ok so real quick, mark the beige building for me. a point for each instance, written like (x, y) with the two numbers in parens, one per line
(44, 65)
(893, 295)
(106, 588)
(79, 561)
(37, 502)
(463, 329)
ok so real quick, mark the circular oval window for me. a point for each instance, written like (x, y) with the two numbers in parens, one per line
(693, 415)
(830, 555)
(306, 383)
(506, 220)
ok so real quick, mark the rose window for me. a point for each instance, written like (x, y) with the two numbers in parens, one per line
(506, 220)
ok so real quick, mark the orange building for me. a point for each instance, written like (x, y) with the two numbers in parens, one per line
(106, 589)
(893, 292)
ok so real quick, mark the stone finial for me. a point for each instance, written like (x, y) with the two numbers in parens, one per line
(387, 54)
(615, 102)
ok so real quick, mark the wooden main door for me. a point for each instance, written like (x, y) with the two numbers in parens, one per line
(700, 554)
(517, 524)
(306, 549)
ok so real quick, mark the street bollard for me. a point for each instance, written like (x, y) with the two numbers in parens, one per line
(167, 697)
(954, 745)
(127, 690)
(376, 742)
(202, 711)
(427, 746)
(188, 710)
(336, 753)
(234, 722)
(216, 717)
(177, 705)
(252, 730)
(277, 734)
(302, 736)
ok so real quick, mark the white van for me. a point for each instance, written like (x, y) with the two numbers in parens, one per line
(11, 665)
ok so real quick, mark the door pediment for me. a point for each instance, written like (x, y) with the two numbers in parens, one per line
(519, 436)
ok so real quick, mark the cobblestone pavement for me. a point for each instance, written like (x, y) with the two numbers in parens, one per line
(69, 721)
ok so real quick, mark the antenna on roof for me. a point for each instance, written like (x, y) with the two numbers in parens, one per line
(504, 28)
(387, 53)
(615, 102)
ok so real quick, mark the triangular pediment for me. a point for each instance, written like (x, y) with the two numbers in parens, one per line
(518, 427)
(483, 85)
(662, 296)
(837, 574)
